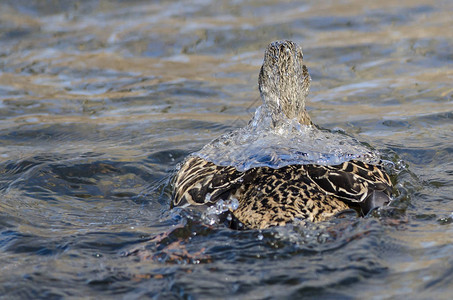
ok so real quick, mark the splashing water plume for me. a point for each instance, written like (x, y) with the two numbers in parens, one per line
(277, 141)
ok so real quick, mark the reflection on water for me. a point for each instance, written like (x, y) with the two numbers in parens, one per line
(100, 100)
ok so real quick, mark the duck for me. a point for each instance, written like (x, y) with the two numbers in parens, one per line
(267, 196)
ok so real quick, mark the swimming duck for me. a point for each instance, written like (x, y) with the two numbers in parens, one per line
(276, 196)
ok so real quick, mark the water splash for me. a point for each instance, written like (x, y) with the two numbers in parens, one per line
(272, 140)
(212, 214)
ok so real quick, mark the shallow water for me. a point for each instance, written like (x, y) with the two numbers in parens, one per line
(101, 99)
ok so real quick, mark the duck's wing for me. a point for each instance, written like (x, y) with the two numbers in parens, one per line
(354, 182)
(200, 182)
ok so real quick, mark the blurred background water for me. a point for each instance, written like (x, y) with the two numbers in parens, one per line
(99, 101)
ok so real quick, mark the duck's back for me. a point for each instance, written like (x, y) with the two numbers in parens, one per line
(269, 197)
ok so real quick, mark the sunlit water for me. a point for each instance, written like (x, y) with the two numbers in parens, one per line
(100, 100)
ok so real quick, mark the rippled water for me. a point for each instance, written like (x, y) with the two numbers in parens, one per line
(101, 99)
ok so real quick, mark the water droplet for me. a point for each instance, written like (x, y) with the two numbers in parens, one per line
(211, 221)
(234, 204)
(207, 198)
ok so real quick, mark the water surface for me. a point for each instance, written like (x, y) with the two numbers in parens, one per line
(100, 100)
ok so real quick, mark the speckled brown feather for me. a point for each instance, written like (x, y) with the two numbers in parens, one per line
(270, 197)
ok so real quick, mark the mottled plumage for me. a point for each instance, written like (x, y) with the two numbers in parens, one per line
(271, 197)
